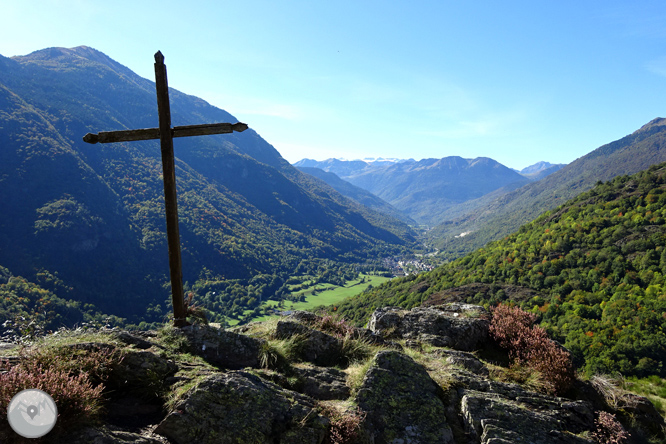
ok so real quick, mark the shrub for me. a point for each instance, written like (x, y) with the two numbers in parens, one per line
(528, 344)
(75, 396)
(609, 430)
(72, 374)
(336, 327)
(94, 360)
(611, 389)
(344, 427)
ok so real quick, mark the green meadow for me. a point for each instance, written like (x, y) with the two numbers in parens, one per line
(320, 294)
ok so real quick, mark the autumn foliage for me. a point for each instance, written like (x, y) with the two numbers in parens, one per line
(528, 344)
(609, 430)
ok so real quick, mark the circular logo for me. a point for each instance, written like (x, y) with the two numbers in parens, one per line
(32, 413)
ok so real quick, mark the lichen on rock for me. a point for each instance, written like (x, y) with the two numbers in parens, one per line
(401, 402)
(239, 407)
(458, 326)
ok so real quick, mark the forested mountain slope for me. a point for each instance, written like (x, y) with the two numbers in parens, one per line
(492, 221)
(93, 216)
(593, 270)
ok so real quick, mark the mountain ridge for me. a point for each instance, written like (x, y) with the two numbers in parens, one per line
(630, 154)
(244, 210)
(425, 189)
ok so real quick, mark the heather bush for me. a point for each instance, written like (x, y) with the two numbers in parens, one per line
(72, 374)
(529, 344)
(344, 427)
(609, 430)
(94, 360)
(76, 398)
(509, 325)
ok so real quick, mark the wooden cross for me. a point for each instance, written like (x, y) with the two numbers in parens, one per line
(166, 134)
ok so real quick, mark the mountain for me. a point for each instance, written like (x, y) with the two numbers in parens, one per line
(591, 270)
(92, 216)
(540, 170)
(428, 189)
(358, 194)
(344, 168)
(496, 219)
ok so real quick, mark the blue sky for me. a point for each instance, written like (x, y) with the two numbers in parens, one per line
(517, 81)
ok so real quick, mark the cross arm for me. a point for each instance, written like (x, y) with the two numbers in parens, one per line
(154, 133)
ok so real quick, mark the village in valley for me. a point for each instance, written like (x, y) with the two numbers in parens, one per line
(404, 266)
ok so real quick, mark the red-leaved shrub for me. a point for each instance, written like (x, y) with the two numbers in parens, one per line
(609, 430)
(529, 344)
(344, 428)
(74, 396)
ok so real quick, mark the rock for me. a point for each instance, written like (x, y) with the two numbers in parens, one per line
(111, 435)
(465, 360)
(458, 326)
(493, 418)
(323, 383)
(223, 348)
(304, 317)
(141, 369)
(311, 320)
(238, 407)
(130, 339)
(315, 346)
(365, 334)
(401, 402)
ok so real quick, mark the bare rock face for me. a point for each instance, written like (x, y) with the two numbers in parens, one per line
(491, 412)
(401, 402)
(464, 360)
(316, 347)
(323, 383)
(398, 400)
(458, 326)
(489, 418)
(139, 367)
(112, 435)
(223, 348)
(238, 407)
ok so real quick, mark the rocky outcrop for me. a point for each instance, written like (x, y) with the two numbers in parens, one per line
(401, 402)
(223, 348)
(313, 345)
(458, 326)
(415, 392)
(239, 407)
(112, 435)
(323, 383)
(489, 418)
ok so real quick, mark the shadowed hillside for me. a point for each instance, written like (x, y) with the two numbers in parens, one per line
(93, 214)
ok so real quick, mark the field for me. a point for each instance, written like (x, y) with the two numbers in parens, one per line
(324, 294)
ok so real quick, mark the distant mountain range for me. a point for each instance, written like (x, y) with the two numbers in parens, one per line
(506, 213)
(540, 170)
(429, 190)
(358, 194)
(91, 216)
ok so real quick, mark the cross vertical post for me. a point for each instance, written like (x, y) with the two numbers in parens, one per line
(166, 134)
(170, 200)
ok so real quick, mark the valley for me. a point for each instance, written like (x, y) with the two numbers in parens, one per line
(82, 233)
